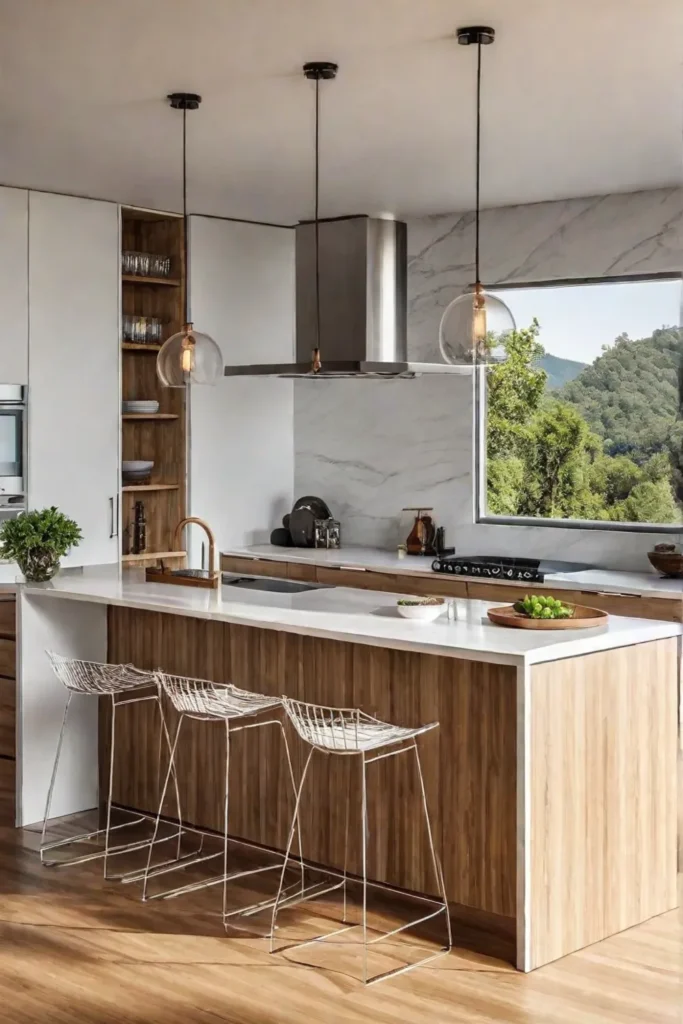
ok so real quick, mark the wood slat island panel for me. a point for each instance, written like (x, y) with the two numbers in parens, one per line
(603, 795)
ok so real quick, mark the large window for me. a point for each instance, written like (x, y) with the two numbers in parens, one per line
(583, 421)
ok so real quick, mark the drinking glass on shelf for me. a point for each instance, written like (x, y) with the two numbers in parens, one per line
(160, 266)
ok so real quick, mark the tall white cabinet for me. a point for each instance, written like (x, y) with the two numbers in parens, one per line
(74, 377)
(14, 285)
(241, 283)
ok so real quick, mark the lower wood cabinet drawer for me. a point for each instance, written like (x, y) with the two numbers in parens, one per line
(8, 617)
(7, 791)
(300, 571)
(359, 578)
(439, 586)
(8, 658)
(252, 566)
(7, 717)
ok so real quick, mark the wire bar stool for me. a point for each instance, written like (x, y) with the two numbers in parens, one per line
(117, 682)
(205, 701)
(351, 732)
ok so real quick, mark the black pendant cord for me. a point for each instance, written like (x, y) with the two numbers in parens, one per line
(317, 216)
(185, 239)
(478, 173)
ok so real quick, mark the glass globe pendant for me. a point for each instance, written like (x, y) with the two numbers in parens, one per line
(188, 357)
(474, 326)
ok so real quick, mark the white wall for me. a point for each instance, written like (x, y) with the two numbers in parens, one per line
(14, 285)
(363, 447)
(241, 431)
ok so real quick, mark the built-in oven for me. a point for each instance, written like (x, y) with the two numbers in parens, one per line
(12, 446)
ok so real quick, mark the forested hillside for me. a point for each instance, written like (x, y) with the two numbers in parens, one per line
(606, 446)
(560, 371)
(631, 394)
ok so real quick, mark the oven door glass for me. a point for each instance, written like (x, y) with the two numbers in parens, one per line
(11, 442)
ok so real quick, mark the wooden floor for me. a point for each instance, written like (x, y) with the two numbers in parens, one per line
(76, 950)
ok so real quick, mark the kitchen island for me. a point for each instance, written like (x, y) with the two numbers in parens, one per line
(552, 776)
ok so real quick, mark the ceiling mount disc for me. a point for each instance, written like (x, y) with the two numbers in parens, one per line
(473, 34)
(184, 100)
(320, 69)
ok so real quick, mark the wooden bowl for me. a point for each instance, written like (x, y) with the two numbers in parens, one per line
(583, 618)
(667, 562)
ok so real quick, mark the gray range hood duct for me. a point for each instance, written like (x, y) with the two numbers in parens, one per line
(363, 304)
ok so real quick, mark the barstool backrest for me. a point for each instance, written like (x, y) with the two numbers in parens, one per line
(95, 676)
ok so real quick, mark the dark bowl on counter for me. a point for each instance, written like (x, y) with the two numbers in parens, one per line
(669, 563)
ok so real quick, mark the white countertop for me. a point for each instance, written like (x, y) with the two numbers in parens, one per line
(357, 616)
(607, 581)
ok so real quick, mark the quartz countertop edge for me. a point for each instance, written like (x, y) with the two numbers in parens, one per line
(608, 581)
(355, 616)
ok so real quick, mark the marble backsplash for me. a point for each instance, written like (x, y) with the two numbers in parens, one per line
(370, 447)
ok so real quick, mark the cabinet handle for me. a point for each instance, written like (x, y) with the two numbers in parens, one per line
(114, 517)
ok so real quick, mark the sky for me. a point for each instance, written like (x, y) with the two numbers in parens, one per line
(577, 320)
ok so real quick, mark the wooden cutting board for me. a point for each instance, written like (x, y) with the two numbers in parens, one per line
(583, 618)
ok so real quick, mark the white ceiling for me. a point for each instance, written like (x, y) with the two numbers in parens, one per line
(581, 97)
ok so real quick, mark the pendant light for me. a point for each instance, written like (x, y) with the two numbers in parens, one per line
(317, 71)
(188, 357)
(476, 320)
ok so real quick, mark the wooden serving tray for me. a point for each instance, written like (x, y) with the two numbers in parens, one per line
(583, 618)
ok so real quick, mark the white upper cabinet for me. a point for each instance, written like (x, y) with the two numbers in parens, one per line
(14, 285)
(74, 376)
(242, 434)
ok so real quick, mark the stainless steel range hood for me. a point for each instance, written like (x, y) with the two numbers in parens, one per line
(363, 304)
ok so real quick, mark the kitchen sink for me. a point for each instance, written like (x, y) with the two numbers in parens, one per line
(273, 586)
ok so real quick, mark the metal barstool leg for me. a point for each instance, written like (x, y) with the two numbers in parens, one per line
(438, 871)
(171, 768)
(112, 745)
(290, 839)
(346, 833)
(364, 811)
(165, 733)
(53, 778)
(226, 811)
(293, 783)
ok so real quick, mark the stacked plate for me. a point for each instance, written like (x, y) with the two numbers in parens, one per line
(146, 408)
(136, 470)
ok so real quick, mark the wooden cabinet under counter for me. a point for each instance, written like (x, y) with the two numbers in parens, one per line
(8, 687)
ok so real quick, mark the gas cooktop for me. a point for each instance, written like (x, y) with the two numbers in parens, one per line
(500, 567)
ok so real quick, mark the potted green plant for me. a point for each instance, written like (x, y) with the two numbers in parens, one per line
(37, 540)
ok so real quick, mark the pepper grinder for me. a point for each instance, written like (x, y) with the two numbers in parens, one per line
(139, 529)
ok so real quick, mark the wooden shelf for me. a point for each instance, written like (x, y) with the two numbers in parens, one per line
(129, 488)
(149, 416)
(146, 556)
(135, 346)
(170, 282)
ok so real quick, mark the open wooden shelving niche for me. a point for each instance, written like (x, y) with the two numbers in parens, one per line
(160, 437)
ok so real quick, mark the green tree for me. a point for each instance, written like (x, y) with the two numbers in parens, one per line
(600, 448)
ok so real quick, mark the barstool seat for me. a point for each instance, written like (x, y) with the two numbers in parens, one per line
(345, 730)
(207, 701)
